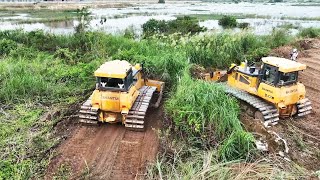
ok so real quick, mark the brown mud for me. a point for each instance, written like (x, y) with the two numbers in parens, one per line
(108, 151)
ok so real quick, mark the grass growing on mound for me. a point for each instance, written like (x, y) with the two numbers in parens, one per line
(310, 32)
(209, 118)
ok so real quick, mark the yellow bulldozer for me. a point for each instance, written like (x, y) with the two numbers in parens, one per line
(122, 94)
(270, 90)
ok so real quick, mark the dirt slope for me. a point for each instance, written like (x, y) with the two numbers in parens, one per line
(108, 151)
(303, 134)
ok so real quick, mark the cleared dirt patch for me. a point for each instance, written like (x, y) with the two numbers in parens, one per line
(108, 151)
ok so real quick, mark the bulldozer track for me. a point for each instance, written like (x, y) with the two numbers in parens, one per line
(135, 120)
(269, 111)
(304, 107)
(88, 114)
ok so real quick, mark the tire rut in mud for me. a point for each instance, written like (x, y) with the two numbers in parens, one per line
(108, 151)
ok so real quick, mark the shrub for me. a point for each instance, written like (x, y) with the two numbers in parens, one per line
(310, 32)
(84, 18)
(6, 46)
(183, 25)
(228, 22)
(244, 25)
(129, 33)
(279, 37)
(153, 26)
(66, 55)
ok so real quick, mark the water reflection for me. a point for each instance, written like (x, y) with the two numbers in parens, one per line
(116, 20)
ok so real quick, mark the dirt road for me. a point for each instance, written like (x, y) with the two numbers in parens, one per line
(108, 151)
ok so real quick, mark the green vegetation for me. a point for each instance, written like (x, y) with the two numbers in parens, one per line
(228, 22)
(208, 117)
(43, 15)
(183, 25)
(290, 26)
(310, 32)
(41, 72)
(220, 50)
(301, 18)
(243, 25)
(83, 17)
(217, 16)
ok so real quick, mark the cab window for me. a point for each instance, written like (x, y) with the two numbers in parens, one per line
(105, 82)
(270, 74)
(288, 78)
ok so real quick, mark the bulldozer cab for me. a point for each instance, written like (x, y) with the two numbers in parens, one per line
(115, 84)
(279, 71)
(115, 76)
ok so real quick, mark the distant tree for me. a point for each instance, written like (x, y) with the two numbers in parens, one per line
(228, 22)
(161, 1)
(83, 16)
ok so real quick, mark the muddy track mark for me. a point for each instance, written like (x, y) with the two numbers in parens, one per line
(109, 151)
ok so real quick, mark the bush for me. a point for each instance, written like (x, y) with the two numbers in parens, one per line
(244, 25)
(279, 37)
(310, 32)
(228, 22)
(183, 25)
(6, 46)
(66, 55)
(129, 33)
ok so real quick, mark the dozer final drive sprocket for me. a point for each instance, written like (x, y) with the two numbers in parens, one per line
(271, 90)
(122, 94)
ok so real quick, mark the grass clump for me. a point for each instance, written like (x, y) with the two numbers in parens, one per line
(310, 32)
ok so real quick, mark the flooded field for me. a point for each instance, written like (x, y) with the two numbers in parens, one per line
(262, 17)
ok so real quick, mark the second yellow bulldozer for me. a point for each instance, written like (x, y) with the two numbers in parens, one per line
(271, 90)
(122, 94)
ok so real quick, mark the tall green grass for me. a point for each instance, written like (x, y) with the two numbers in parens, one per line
(310, 32)
(209, 118)
(221, 49)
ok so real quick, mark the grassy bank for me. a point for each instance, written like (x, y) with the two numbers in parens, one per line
(43, 15)
(42, 72)
(217, 16)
